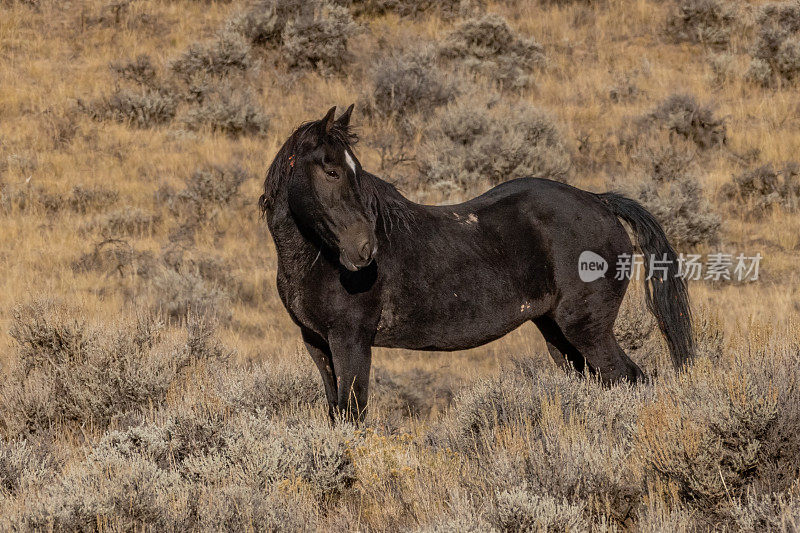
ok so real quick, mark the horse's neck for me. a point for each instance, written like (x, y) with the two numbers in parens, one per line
(295, 251)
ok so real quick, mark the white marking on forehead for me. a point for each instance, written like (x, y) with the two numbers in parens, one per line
(349, 160)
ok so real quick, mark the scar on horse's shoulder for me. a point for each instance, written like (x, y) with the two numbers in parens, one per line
(470, 219)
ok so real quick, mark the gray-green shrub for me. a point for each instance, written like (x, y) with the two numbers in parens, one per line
(409, 83)
(228, 52)
(477, 143)
(765, 187)
(708, 22)
(776, 51)
(142, 108)
(70, 372)
(311, 34)
(227, 108)
(726, 429)
(318, 40)
(489, 46)
(681, 207)
(682, 116)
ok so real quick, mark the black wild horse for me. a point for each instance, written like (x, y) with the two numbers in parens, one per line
(359, 266)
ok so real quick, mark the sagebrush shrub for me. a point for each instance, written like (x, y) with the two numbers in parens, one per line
(767, 512)
(681, 208)
(228, 52)
(115, 256)
(707, 22)
(127, 489)
(85, 199)
(269, 388)
(207, 189)
(408, 8)
(71, 372)
(784, 15)
(462, 515)
(318, 40)
(177, 295)
(665, 162)
(764, 187)
(263, 23)
(125, 222)
(409, 83)
(489, 46)
(576, 428)
(658, 516)
(681, 115)
(229, 109)
(716, 435)
(776, 56)
(24, 465)
(248, 471)
(474, 144)
(143, 108)
(237, 507)
(521, 510)
(776, 52)
(311, 34)
(723, 67)
(140, 70)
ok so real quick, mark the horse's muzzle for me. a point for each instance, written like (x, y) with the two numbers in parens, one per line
(360, 257)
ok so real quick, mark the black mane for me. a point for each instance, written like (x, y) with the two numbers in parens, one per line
(381, 197)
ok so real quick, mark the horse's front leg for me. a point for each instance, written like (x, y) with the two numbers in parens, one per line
(320, 352)
(352, 358)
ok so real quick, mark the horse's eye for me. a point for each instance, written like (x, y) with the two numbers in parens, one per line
(332, 174)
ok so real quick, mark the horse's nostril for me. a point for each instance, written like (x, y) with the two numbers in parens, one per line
(365, 252)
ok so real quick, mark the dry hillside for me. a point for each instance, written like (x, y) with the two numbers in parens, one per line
(150, 379)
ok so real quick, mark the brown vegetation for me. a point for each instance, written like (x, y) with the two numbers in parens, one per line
(151, 379)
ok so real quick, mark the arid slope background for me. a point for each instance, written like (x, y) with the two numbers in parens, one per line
(151, 380)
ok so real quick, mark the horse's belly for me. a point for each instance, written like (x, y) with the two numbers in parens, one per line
(454, 324)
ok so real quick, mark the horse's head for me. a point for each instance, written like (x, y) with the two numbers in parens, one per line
(321, 177)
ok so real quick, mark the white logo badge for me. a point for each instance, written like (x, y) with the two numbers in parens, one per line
(591, 266)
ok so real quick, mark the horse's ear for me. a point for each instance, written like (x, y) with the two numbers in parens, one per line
(328, 120)
(344, 120)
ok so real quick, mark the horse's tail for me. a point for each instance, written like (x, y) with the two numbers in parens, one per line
(666, 295)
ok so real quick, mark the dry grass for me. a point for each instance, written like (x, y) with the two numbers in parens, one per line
(133, 137)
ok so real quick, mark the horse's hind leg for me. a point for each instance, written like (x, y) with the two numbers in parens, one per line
(562, 352)
(592, 335)
(605, 357)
